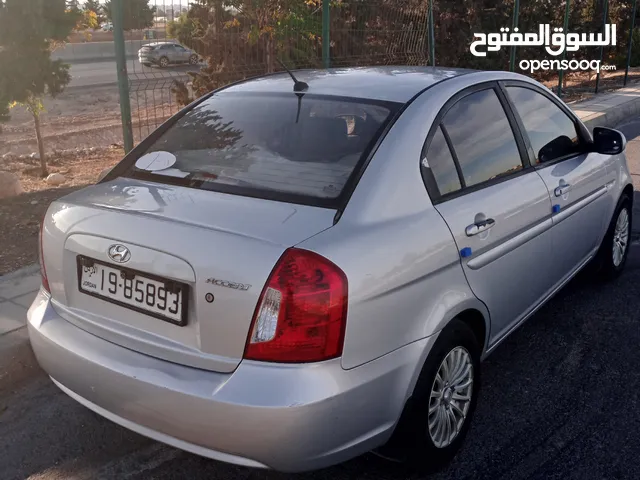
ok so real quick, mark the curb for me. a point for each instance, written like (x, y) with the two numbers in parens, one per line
(21, 272)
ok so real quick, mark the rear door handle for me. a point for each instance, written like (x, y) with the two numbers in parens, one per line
(561, 190)
(479, 227)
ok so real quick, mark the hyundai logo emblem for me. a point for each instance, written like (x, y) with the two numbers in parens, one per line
(119, 253)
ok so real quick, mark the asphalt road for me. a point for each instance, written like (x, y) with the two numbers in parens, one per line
(559, 400)
(101, 73)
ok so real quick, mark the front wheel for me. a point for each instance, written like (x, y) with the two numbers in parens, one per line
(442, 404)
(193, 59)
(164, 62)
(614, 249)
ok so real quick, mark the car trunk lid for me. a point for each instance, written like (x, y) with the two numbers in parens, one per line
(221, 247)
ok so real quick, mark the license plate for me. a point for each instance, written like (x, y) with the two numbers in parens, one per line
(145, 293)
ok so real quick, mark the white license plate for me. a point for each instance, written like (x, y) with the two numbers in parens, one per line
(157, 297)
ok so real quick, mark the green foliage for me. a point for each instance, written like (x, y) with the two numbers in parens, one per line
(137, 14)
(29, 31)
(232, 33)
(183, 28)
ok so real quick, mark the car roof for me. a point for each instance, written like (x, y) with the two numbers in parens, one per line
(160, 43)
(385, 83)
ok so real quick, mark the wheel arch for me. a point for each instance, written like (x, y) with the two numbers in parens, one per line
(628, 190)
(472, 312)
(477, 318)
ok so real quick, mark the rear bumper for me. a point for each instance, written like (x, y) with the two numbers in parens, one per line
(289, 418)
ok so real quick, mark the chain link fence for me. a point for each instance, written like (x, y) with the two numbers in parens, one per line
(178, 50)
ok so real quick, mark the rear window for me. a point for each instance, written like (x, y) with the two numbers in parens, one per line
(269, 145)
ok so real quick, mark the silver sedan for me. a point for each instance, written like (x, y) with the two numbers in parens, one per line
(164, 54)
(298, 269)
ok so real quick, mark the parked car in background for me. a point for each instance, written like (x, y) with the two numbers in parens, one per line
(107, 27)
(287, 274)
(164, 54)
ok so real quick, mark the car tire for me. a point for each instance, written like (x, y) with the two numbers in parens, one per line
(612, 255)
(163, 62)
(415, 442)
(193, 59)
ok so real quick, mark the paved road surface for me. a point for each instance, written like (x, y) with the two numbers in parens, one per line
(560, 400)
(105, 72)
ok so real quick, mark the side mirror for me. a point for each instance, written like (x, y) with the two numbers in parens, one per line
(608, 141)
(556, 148)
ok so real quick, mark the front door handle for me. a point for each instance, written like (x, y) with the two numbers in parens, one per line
(479, 227)
(562, 190)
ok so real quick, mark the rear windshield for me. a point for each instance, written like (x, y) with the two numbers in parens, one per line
(269, 145)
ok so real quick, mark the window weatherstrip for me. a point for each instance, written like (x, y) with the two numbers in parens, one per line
(454, 156)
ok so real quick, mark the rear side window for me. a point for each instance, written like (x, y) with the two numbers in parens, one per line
(482, 138)
(266, 144)
(440, 161)
(551, 131)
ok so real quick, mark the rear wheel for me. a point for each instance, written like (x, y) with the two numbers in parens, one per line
(612, 256)
(164, 62)
(435, 425)
(193, 59)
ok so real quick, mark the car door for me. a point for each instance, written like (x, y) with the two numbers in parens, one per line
(172, 54)
(496, 206)
(577, 179)
(182, 53)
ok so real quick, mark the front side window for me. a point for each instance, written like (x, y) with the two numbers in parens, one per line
(551, 131)
(482, 138)
(260, 144)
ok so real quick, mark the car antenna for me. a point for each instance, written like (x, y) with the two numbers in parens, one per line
(298, 86)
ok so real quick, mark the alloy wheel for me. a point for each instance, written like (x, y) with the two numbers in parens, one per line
(620, 237)
(450, 397)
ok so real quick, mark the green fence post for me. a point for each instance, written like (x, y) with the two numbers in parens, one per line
(123, 78)
(633, 24)
(432, 36)
(604, 23)
(326, 43)
(565, 26)
(512, 59)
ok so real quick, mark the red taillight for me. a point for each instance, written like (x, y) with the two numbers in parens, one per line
(43, 271)
(302, 311)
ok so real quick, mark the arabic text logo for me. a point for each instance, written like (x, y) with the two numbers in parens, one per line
(570, 42)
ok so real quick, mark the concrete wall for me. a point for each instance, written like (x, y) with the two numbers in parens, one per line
(94, 51)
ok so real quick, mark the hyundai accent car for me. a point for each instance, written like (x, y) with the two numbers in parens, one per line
(164, 54)
(303, 267)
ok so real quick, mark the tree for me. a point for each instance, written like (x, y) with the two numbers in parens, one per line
(183, 28)
(72, 5)
(95, 7)
(87, 20)
(137, 14)
(29, 31)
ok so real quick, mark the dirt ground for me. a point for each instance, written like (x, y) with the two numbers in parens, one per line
(20, 216)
